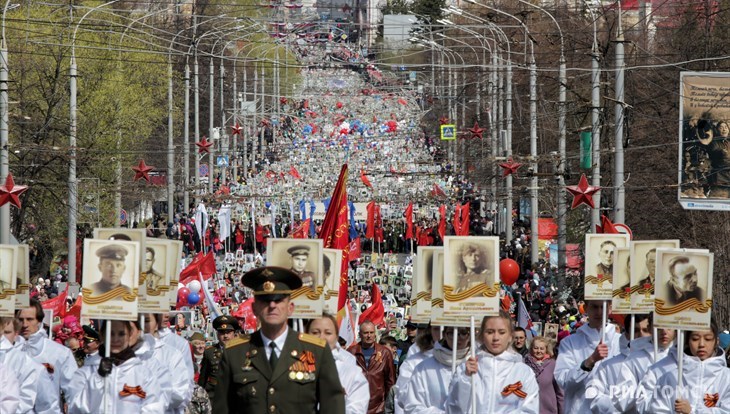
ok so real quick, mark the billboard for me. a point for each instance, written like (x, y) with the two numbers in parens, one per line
(704, 141)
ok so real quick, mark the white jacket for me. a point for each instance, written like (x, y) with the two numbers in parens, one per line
(60, 359)
(644, 394)
(600, 388)
(132, 373)
(404, 376)
(633, 370)
(495, 373)
(33, 380)
(574, 350)
(178, 342)
(182, 386)
(357, 389)
(9, 400)
(700, 379)
(428, 388)
(145, 352)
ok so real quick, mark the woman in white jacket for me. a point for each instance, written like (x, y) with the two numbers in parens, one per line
(705, 379)
(429, 384)
(504, 384)
(357, 389)
(120, 384)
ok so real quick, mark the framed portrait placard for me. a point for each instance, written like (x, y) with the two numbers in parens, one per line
(643, 270)
(437, 296)
(683, 289)
(331, 265)
(8, 279)
(122, 234)
(423, 284)
(22, 282)
(154, 280)
(174, 267)
(471, 280)
(621, 298)
(599, 264)
(303, 257)
(551, 331)
(110, 276)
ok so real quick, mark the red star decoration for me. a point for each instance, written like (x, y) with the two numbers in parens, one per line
(582, 193)
(476, 132)
(443, 120)
(204, 146)
(142, 170)
(10, 193)
(510, 167)
(606, 226)
(236, 129)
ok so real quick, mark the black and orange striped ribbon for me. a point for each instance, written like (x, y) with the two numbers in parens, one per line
(482, 289)
(120, 291)
(127, 390)
(711, 400)
(515, 389)
(688, 304)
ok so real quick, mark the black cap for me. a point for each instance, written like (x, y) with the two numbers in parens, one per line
(90, 333)
(120, 236)
(225, 323)
(411, 325)
(112, 251)
(298, 251)
(271, 283)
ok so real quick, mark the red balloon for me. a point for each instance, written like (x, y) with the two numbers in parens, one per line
(509, 271)
(183, 292)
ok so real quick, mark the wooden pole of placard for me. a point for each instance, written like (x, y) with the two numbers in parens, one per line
(453, 349)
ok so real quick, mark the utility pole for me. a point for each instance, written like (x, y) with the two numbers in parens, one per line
(196, 99)
(596, 129)
(618, 180)
(4, 159)
(170, 147)
(186, 139)
(211, 114)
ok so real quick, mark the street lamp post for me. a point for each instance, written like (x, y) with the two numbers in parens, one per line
(4, 110)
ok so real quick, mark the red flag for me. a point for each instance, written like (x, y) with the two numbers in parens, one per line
(355, 251)
(409, 221)
(294, 173)
(464, 229)
(442, 221)
(364, 179)
(436, 191)
(302, 231)
(335, 231)
(75, 310)
(378, 225)
(202, 263)
(245, 311)
(57, 304)
(370, 221)
(456, 220)
(376, 312)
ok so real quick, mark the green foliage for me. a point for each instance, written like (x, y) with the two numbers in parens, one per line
(428, 11)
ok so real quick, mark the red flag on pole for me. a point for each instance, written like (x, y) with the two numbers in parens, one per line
(442, 221)
(464, 229)
(75, 310)
(456, 220)
(378, 225)
(370, 221)
(57, 304)
(335, 230)
(294, 173)
(202, 263)
(364, 179)
(376, 312)
(409, 221)
(355, 251)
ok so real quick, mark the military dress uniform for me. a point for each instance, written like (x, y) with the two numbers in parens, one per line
(212, 356)
(304, 377)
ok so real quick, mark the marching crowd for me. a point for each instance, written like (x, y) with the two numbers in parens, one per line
(426, 369)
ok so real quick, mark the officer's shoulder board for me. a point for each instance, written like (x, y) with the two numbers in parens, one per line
(236, 341)
(311, 339)
(210, 348)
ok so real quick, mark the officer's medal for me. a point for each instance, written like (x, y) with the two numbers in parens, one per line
(247, 363)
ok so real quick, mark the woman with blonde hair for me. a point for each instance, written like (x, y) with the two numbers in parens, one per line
(540, 359)
(502, 382)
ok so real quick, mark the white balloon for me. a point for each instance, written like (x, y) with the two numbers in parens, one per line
(194, 286)
(180, 285)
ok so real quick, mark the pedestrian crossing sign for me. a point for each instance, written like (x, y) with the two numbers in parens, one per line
(448, 132)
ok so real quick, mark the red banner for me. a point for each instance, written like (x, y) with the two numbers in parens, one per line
(442, 221)
(301, 232)
(547, 229)
(355, 250)
(335, 231)
(57, 304)
(376, 312)
(202, 263)
(409, 221)
(370, 221)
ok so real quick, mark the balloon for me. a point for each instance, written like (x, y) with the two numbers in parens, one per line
(509, 271)
(183, 291)
(194, 286)
(193, 298)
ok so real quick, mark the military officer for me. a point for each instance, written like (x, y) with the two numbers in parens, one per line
(112, 264)
(299, 257)
(277, 370)
(225, 327)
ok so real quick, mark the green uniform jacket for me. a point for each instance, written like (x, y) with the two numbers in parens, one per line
(247, 385)
(209, 368)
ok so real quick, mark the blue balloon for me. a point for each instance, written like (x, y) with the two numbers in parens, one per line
(268, 204)
(193, 298)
